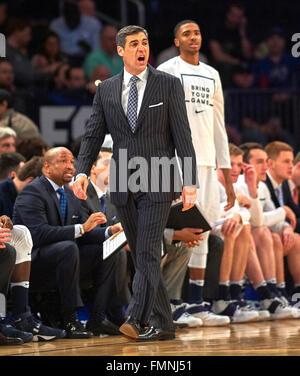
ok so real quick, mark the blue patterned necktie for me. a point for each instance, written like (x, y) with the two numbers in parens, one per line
(62, 203)
(132, 103)
(102, 203)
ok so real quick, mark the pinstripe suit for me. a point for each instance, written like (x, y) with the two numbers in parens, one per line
(162, 126)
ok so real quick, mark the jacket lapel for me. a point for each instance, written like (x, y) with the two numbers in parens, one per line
(272, 191)
(68, 192)
(53, 196)
(117, 94)
(151, 88)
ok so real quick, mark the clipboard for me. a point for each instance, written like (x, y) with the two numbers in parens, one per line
(113, 244)
(192, 218)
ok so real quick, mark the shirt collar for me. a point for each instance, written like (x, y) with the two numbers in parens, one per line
(54, 185)
(99, 191)
(142, 76)
(273, 182)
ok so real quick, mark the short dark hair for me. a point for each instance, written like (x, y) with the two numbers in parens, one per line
(6, 96)
(9, 162)
(31, 169)
(184, 22)
(16, 24)
(105, 150)
(235, 4)
(126, 31)
(31, 147)
(247, 147)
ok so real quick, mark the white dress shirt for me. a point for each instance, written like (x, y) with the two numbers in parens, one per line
(100, 193)
(278, 189)
(141, 85)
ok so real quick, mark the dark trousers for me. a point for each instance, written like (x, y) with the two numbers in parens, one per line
(64, 265)
(144, 222)
(7, 262)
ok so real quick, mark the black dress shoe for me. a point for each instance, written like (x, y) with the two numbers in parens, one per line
(102, 327)
(74, 329)
(10, 341)
(131, 328)
(156, 334)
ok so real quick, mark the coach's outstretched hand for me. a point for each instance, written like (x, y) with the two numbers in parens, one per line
(80, 186)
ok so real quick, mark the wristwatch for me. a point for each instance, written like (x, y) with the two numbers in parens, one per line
(81, 230)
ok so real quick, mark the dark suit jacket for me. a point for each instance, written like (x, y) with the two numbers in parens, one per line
(272, 192)
(288, 200)
(8, 195)
(162, 126)
(92, 205)
(37, 207)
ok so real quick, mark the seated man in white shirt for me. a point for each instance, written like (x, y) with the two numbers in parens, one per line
(237, 240)
(274, 219)
(261, 263)
(280, 166)
(291, 190)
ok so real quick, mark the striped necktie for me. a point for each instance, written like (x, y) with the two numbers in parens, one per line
(132, 103)
(63, 203)
(102, 203)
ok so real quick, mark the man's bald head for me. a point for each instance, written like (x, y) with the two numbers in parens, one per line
(53, 152)
(59, 165)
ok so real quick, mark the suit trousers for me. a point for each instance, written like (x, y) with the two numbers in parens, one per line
(65, 265)
(144, 222)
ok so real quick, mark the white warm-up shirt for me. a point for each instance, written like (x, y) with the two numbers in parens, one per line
(205, 108)
(270, 216)
(243, 212)
(241, 188)
(273, 217)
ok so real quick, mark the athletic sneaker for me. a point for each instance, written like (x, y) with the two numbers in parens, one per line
(236, 311)
(28, 323)
(9, 330)
(203, 312)
(288, 302)
(263, 314)
(278, 308)
(182, 319)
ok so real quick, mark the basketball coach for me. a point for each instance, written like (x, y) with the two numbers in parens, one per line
(144, 111)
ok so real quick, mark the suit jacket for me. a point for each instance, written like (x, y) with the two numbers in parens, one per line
(37, 207)
(162, 126)
(8, 195)
(92, 205)
(288, 200)
(272, 192)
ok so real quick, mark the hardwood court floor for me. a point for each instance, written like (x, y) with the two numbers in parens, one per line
(259, 339)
